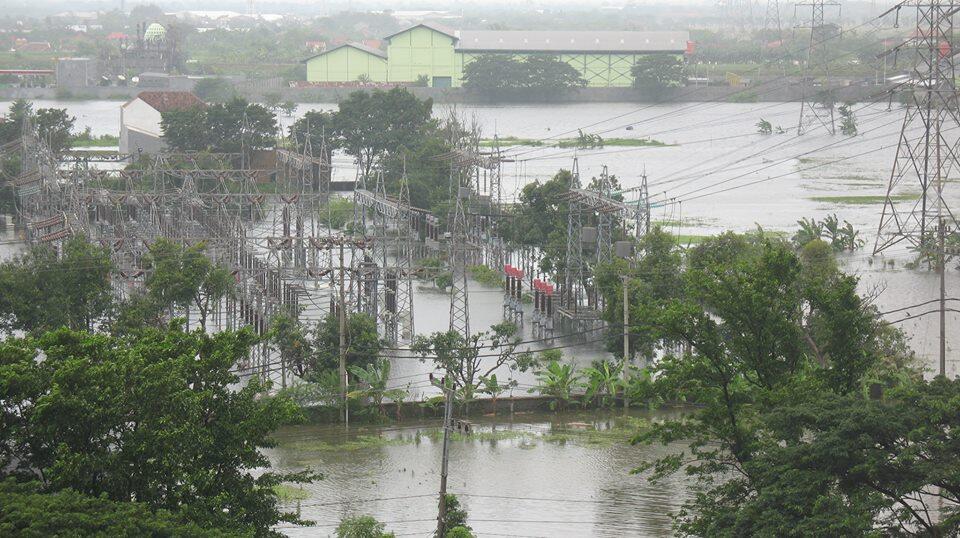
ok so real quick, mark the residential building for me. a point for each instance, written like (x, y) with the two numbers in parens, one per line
(140, 117)
(603, 58)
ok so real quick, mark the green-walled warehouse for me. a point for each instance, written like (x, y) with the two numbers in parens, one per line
(603, 58)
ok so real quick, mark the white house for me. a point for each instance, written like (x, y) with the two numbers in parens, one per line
(140, 130)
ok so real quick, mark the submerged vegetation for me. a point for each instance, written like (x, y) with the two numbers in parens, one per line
(585, 141)
(865, 199)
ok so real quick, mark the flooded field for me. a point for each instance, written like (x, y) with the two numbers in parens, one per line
(712, 173)
(535, 474)
(715, 173)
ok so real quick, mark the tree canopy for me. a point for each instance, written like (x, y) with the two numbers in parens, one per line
(393, 131)
(658, 72)
(499, 75)
(221, 127)
(778, 349)
(44, 291)
(153, 419)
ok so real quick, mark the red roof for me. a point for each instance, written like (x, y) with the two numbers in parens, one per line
(164, 101)
(117, 35)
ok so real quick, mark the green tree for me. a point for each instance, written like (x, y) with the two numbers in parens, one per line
(214, 90)
(156, 418)
(362, 527)
(500, 75)
(551, 74)
(27, 511)
(12, 127)
(763, 332)
(602, 379)
(371, 125)
(492, 73)
(540, 220)
(657, 73)
(462, 358)
(373, 385)
(237, 124)
(558, 381)
(455, 518)
(363, 344)
(764, 127)
(292, 340)
(184, 129)
(44, 291)
(848, 120)
(184, 277)
(53, 127)
(655, 275)
(230, 127)
(320, 127)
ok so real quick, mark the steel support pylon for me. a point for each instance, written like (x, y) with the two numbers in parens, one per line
(927, 152)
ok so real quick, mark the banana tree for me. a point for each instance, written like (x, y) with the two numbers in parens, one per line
(557, 380)
(602, 381)
(373, 385)
(490, 385)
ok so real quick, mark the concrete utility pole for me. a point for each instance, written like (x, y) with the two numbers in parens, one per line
(447, 418)
(942, 262)
(342, 313)
(626, 341)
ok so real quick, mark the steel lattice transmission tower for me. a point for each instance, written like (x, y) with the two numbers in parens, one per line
(771, 18)
(927, 153)
(458, 248)
(574, 267)
(816, 107)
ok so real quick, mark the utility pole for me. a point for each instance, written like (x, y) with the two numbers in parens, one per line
(343, 343)
(942, 262)
(447, 418)
(626, 341)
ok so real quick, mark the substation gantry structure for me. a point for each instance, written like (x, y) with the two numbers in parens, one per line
(277, 242)
(595, 217)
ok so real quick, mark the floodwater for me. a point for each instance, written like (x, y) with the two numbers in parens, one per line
(539, 474)
(715, 174)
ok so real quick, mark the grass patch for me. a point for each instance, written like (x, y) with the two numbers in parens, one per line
(290, 493)
(864, 200)
(623, 429)
(623, 142)
(510, 141)
(86, 141)
(486, 276)
(688, 239)
(358, 443)
(573, 142)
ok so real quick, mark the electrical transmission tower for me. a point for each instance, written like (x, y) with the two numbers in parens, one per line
(771, 18)
(458, 248)
(816, 107)
(928, 145)
(927, 148)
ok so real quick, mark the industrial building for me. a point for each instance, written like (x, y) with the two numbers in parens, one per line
(603, 58)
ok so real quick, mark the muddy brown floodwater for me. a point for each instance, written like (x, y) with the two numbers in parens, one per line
(530, 476)
(538, 474)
